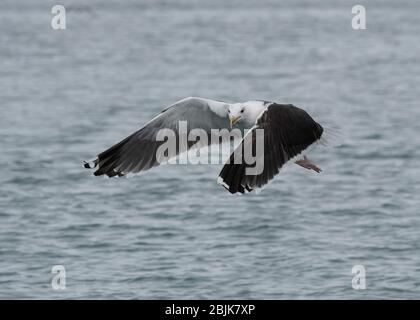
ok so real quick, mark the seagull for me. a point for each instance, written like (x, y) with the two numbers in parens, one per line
(287, 132)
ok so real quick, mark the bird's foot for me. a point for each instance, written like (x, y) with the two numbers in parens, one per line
(307, 164)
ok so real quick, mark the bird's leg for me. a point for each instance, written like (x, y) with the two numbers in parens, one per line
(307, 164)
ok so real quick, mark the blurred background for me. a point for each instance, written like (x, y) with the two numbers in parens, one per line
(66, 95)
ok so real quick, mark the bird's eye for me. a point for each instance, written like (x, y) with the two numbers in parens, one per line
(242, 111)
(228, 111)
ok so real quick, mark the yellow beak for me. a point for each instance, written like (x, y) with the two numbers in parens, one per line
(233, 121)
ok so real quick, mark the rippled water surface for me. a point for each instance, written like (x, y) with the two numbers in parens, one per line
(174, 232)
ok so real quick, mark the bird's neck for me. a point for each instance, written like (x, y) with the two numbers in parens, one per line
(254, 110)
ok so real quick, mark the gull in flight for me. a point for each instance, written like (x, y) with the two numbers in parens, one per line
(287, 131)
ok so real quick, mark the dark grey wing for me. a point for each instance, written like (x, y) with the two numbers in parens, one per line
(138, 151)
(288, 131)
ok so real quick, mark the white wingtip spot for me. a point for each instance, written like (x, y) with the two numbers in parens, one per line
(222, 182)
(89, 164)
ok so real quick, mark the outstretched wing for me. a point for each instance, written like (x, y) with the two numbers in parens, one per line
(138, 151)
(288, 131)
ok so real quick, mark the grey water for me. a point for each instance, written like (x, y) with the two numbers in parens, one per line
(173, 232)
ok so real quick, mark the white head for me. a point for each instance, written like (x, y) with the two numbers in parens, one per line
(246, 112)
